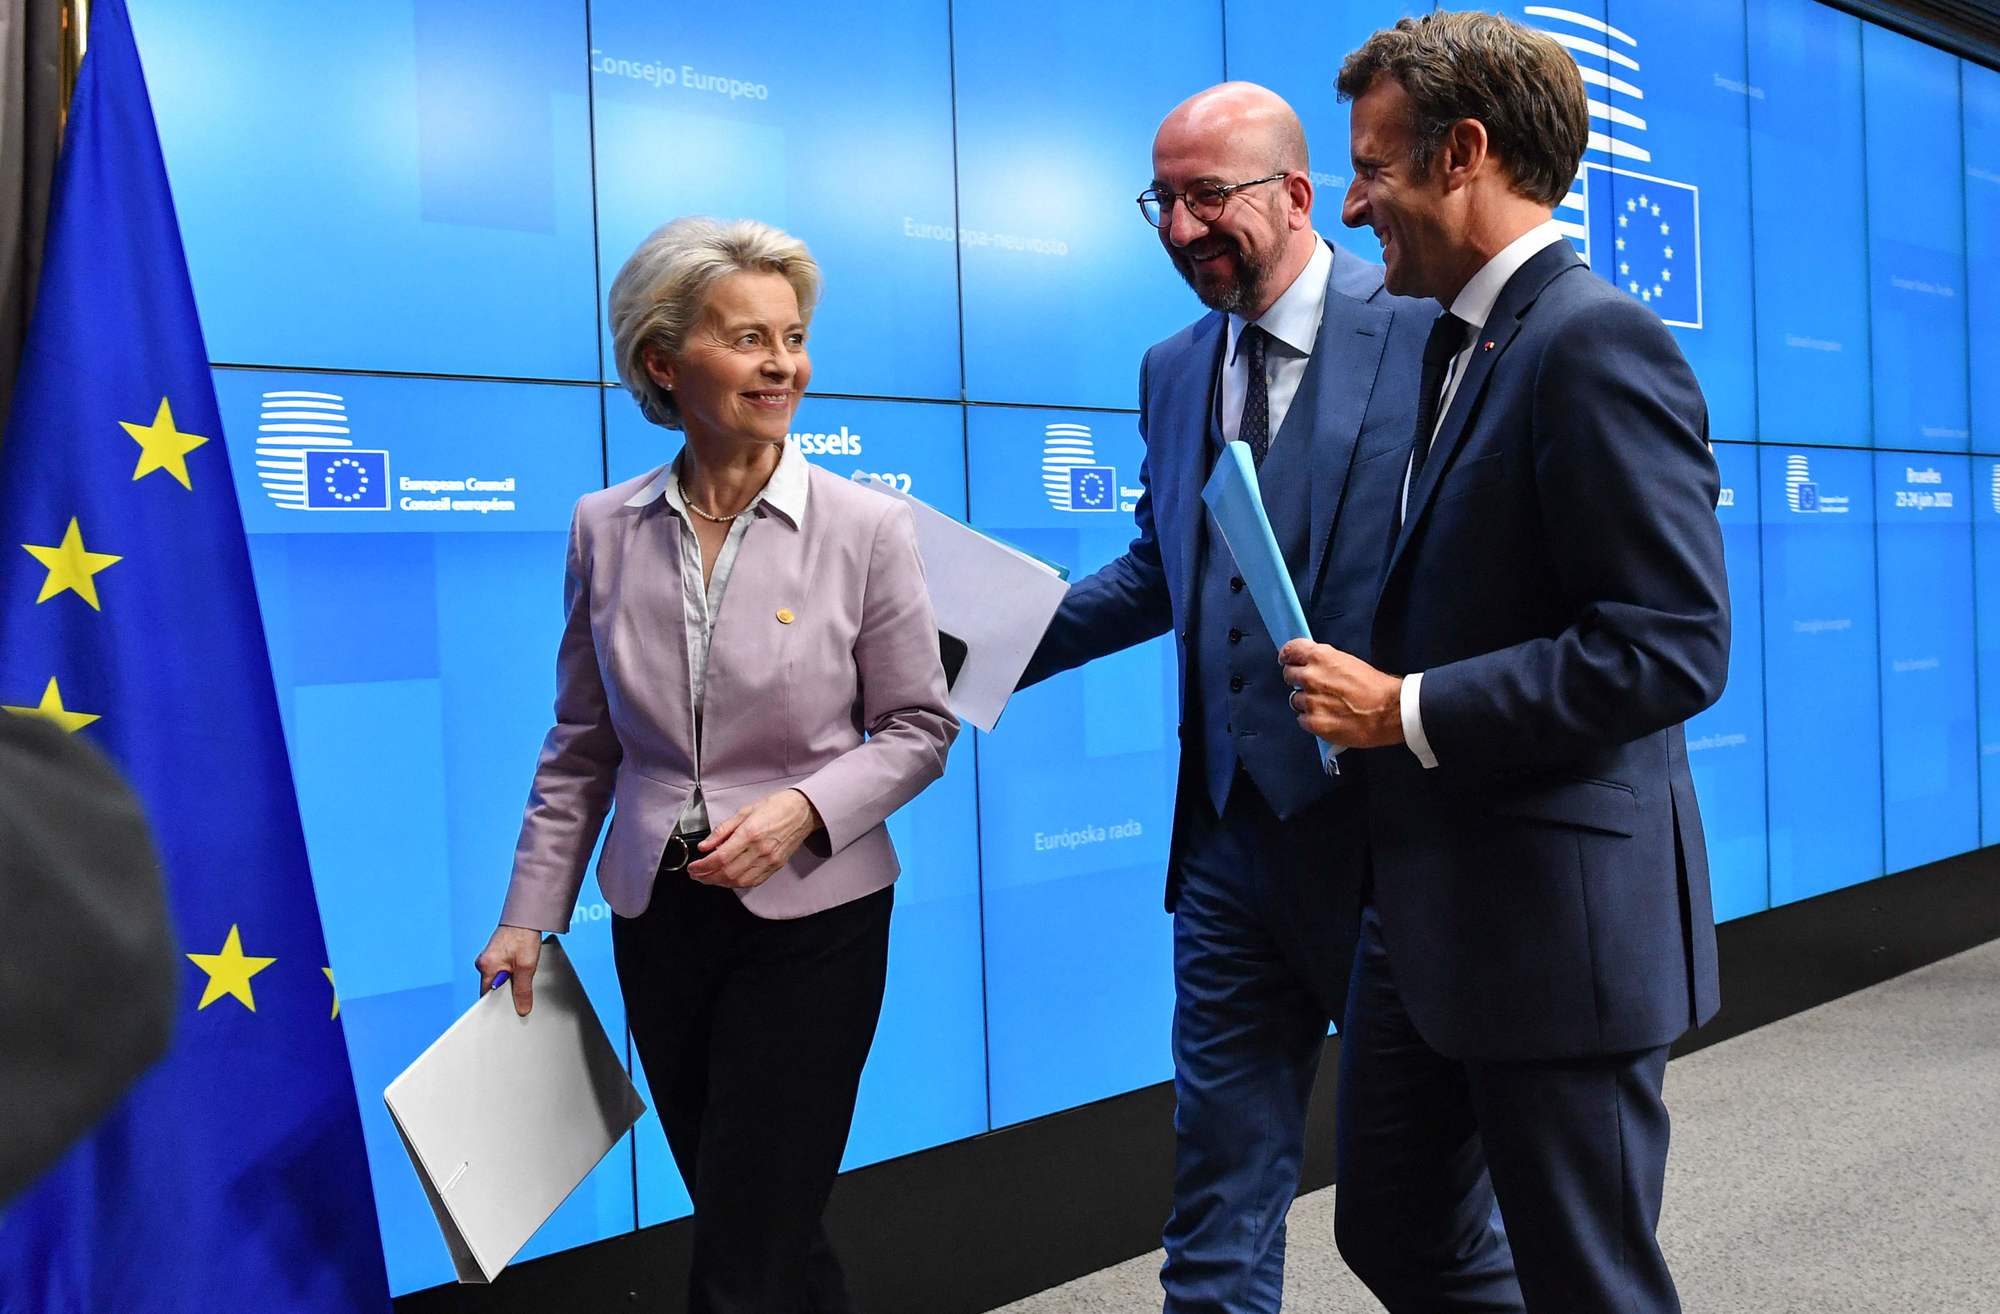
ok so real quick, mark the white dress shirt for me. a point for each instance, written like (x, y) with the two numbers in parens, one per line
(1474, 305)
(1293, 323)
(785, 494)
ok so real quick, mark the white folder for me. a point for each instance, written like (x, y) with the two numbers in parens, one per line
(994, 598)
(504, 1115)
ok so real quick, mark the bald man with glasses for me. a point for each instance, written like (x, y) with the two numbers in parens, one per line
(1306, 358)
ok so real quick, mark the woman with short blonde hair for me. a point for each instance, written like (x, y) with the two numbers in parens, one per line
(749, 683)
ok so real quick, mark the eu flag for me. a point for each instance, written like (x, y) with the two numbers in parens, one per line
(1645, 237)
(232, 1177)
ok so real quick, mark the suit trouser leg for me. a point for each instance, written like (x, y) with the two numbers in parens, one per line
(1246, 1041)
(1573, 1151)
(756, 1080)
(1578, 1153)
(1413, 1204)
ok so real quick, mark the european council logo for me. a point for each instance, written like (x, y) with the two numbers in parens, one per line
(1996, 487)
(1801, 493)
(306, 460)
(1072, 478)
(1639, 230)
(1804, 496)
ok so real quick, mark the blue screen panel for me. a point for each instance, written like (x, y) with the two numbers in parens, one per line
(1076, 791)
(1065, 284)
(1930, 762)
(700, 112)
(1916, 243)
(1986, 580)
(1296, 50)
(1726, 743)
(1981, 96)
(926, 1077)
(1822, 704)
(414, 667)
(1683, 149)
(388, 185)
(1809, 220)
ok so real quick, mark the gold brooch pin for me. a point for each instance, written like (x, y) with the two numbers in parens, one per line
(785, 616)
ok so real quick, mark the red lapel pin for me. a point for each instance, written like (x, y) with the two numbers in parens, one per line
(1488, 346)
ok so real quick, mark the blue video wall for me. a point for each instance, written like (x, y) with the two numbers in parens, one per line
(401, 216)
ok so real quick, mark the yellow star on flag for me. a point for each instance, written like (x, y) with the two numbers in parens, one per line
(162, 446)
(72, 567)
(51, 708)
(336, 991)
(229, 972)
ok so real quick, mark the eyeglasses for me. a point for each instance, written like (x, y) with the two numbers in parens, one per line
(1203, 200)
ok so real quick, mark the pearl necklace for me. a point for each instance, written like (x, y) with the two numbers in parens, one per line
(712, 519)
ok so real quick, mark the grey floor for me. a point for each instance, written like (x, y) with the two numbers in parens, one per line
(1847, 1159)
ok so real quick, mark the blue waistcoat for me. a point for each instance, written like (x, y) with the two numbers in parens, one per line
(1237, 707)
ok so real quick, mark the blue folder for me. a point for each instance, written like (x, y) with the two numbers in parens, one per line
(1238, 507)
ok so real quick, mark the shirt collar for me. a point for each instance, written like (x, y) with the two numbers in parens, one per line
(1293, 318)
(1474, 302)
(784, 493)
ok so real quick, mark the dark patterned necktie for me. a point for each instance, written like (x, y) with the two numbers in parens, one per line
(1446, 340)
(1255, 428)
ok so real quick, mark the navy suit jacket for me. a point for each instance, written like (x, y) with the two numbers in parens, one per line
(1360, 443)
(1559, 581)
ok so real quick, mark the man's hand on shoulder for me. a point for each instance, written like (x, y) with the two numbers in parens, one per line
(1341, 698)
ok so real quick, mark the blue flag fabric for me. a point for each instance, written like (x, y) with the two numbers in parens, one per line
(1644, 238)
(232, 1177)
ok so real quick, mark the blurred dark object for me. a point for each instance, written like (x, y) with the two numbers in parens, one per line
(87, 975)
(1965, 27)
(952, 652)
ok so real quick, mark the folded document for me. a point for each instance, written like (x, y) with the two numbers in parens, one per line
(1237, 504)
(993, 603)
(503, 1116)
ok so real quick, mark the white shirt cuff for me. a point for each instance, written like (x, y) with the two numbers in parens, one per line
(1413, 722)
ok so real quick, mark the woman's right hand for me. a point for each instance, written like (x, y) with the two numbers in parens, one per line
(517, 951)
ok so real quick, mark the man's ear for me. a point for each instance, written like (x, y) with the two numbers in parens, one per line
(1463, 152)
(1299, 190)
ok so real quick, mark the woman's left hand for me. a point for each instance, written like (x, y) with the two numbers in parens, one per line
(743, 851)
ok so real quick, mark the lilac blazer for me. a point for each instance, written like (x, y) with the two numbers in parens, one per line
(845, 702)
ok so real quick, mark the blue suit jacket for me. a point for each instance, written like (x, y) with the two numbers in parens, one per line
(1360, 445)
(1559, 580)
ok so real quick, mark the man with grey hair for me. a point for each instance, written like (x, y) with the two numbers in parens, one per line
(1538, 930)
(1307, 360)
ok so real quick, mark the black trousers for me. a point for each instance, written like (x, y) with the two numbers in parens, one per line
(753, 1034)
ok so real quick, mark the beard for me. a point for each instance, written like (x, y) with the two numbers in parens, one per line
(1230, 293)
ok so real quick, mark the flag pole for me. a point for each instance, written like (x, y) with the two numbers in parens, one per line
(75, 36)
